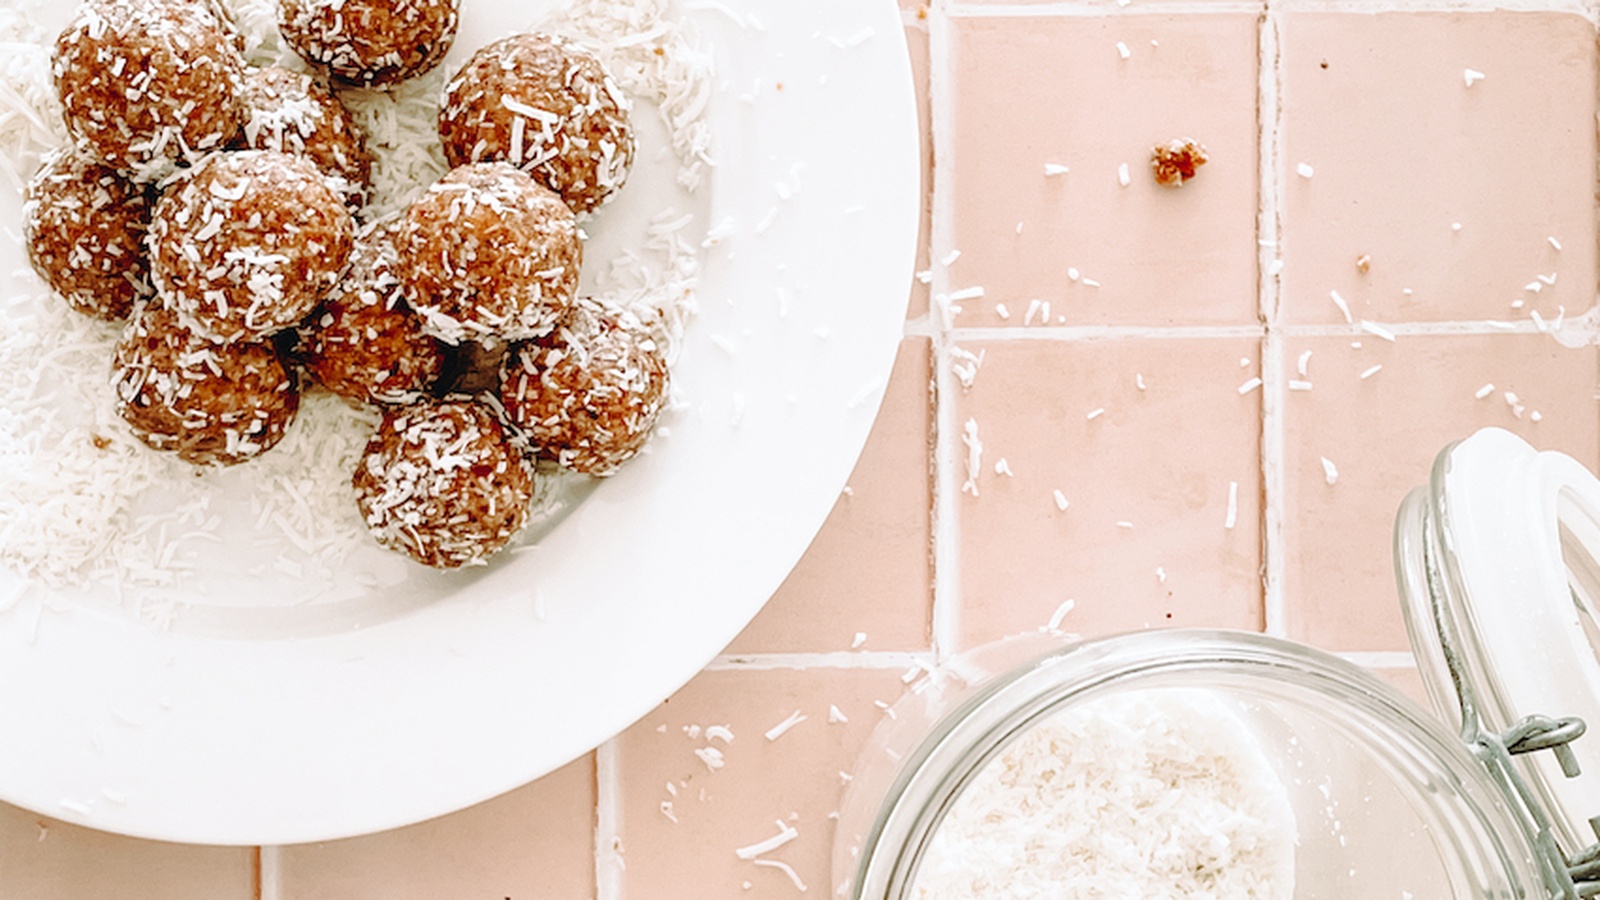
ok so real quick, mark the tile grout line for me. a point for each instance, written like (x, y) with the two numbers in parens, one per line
(946, 611)
(269, 869)
(608, 865)
(1269, 227)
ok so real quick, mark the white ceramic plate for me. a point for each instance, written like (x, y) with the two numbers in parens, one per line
(440, 691)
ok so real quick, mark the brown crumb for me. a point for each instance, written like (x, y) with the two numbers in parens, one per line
(99, 441)
(1176, 161)
(1363, 263)
(922, 12)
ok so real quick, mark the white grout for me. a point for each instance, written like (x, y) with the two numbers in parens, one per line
(1269, 237)
(946, 448)
(844, 659)
(608, 861)
(271, 880)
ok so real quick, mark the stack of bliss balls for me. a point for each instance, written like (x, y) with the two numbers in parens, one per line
(216, 210)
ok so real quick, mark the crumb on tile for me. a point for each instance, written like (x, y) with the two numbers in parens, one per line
(1177, 161)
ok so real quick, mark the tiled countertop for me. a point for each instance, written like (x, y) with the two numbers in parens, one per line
(1336, 131)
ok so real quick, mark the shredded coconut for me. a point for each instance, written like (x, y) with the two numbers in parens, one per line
(83, 502)
(1154, 794)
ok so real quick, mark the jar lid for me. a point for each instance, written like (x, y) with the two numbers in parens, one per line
(1497, 560)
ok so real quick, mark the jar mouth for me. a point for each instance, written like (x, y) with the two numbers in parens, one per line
(1284, 690)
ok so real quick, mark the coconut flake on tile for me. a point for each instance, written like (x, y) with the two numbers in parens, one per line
(1001, 467)
(1090, 282)
(1343, 306)
(1001, 310)
(782, 728)
(969, 437)
(785, 868)
(1554, 243)
(1304, 170)
(1050, 170)
(1232, 517)
(786, 833)
(1123, 51)
(1122, 175)
(1377, 330)
(859, 639)
(836, 716)
(1368, 373)
(1124, 523)
(1249, 386)
(1472, 76)
(964, 364)
(1138, 380)
(1056, 618)
(1095, 413)
(1485, 391)
(949, 258)
(1061, 500)
(1329, 470)
(1296, 384)
(720, 733)
(968, 293)
(885, 708)
(1302, 363)
(711, 756)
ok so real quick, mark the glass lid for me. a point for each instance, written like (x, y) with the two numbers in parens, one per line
(1497, 563)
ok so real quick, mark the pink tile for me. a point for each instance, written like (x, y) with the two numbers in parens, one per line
(1511, 159)
(536, 841)
(1381, 435)
(1053, 90)
(1408, 681)
(1160, 459)
(42, 859)
(793, 779)
(868, 569)
(917, 44)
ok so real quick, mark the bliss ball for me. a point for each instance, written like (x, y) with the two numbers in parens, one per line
(363, 342)
(291, 112)
(211, 404)
(246, 245)
(588, 394)
(488, 253)
(84, 226)
(546, 105)
(443, 483)
(370, 42)
(145, 84)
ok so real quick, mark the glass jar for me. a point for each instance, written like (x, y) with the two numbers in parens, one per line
(1387, 799)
